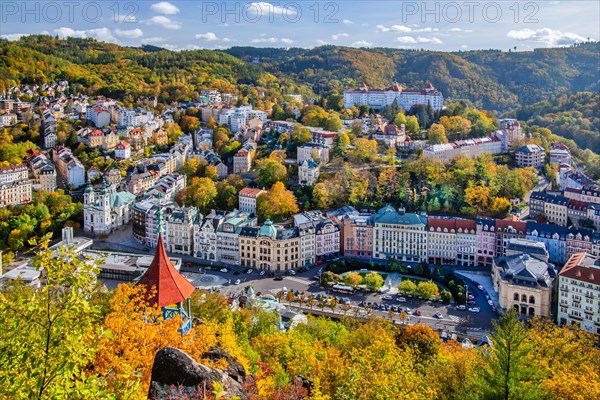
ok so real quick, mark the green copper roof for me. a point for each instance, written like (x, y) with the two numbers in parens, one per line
(268, 230)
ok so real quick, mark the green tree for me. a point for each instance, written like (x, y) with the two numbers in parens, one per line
(508, 374)
(427, 289)
(373, 281)
(412, 125)
(46, 333)
(340, 144)
(437, 134)
(400, 119)
(201, 193)
(270, 171)
(407, 287)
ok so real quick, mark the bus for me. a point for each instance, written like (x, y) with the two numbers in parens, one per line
(343, 289)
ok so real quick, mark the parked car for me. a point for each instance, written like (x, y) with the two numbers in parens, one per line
(479, 287)
(250, 271)
(491, 303)
(261, 273)
(320, 262)
(417, 312)
(438, 315)
(395, 308)
(224, 270)
(401, 299)
(408, 311)
(474, 309)
(278, 278)
(461, 307)
(237, 282)
(292, 272)
(387, 297)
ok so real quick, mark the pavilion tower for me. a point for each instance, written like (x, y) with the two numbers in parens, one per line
(172, 290)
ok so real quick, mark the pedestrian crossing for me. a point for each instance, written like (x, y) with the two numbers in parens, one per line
(454, 318)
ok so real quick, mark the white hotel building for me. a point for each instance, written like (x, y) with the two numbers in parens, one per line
(406, 98)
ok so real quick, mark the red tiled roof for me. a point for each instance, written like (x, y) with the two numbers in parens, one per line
(250, 192)
(578, 267)
(171, 286)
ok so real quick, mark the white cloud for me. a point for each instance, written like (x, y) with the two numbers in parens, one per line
(129, 33)
(347, 22)
(170, 46)
(404, 29)
(14, 36)
(272, 40)
(461, 30)
(406, 39)
(419, 39)
(362, 43)
(101, 34)
(339, 35)
(163, 21)
(154, 39)
(393, 28)
(226, 40)
(266, 9)
(550, 37)
(322, 42)
(164, 7)
(208, 36)
(464, 46)
(192, 47)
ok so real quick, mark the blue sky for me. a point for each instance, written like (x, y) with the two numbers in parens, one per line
(435, 25)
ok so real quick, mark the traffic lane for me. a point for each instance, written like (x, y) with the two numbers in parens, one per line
(486, 314)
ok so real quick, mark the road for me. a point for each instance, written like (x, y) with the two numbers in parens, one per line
(303, 282)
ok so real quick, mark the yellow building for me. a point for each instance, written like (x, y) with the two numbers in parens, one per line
(269, 248)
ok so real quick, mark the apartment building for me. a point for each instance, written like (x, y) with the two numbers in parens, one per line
(579, 293)
(247, 199)
(179, 233)
(269, 247)
(405, 98)
(530, 155)
(15, 186)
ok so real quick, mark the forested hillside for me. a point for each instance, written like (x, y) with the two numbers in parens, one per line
(574, 116)
(491, 79)
(125, 73)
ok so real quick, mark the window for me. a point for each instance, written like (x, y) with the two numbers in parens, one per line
(516, 297)
(524, 298)
(531, 300)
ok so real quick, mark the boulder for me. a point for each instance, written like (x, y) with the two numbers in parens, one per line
(234, 369)
(176, 375)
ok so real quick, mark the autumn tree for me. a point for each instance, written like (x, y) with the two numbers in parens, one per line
(200, 193)
(321, 196)
(436, 134)
(373, 281)
(478, 197)
(270, 171)
(277, 203)
(500, 206)
(421, 337)
(300, 135)
(353, 279)
(365, 150)
(400, 119)
(227, 191)
(189, 124)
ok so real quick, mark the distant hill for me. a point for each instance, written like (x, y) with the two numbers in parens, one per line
(573, 116)
(490, 79)
(116, 71)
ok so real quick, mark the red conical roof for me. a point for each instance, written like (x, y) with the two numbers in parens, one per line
(171, 286)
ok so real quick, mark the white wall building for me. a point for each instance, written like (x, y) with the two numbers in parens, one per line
(106, 209)
(247, 199)
(405, 98)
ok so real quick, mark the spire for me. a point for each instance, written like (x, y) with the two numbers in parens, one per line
(159, 221)
(171, 287)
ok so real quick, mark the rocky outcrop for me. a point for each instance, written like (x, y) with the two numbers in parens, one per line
(176, 375)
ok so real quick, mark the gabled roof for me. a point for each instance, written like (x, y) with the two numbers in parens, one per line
(171, 287)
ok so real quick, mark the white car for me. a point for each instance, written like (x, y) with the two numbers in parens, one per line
(237, 282)
(262, 272)
(474, 309)
(387, 297)
(461, 307)
(408, 311)
(401, 299)
(224, 270)
(438, 315)
(292, 272)
(491, 303)
(479, 287)
(250, 271)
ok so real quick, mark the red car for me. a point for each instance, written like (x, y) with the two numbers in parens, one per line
(320, 262)
(418, 313)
